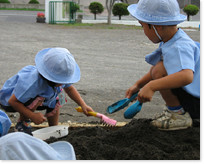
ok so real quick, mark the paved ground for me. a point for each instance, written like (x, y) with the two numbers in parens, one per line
(111, 60)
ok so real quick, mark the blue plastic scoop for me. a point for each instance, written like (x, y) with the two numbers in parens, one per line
(121, 104)
(133, 110)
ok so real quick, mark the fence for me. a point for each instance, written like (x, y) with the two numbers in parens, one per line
(61, 12)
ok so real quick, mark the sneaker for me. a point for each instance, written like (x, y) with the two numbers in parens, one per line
(23, 126)
(165, 112)
(172, 121)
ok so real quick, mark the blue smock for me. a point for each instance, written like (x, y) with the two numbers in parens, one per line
(5, 123)
(27, 84)
(179, 53)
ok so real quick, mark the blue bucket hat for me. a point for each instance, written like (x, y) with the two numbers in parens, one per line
(157, 12)
(5, 123)
(57, 65)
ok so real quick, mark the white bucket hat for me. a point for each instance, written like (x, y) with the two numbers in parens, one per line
(157, 12)
(57, 65)
(5, 123)
(21, 146)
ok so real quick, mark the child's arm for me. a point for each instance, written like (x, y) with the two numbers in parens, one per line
(74, 95)
(139, 84)
(37, 118)
(176, 80)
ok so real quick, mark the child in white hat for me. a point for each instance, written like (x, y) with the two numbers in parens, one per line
(38, 87)
(176, 64)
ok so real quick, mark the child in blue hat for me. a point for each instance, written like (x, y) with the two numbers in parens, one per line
(175, 70)
(39, 87)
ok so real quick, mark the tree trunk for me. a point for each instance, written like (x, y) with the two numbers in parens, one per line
(188, 17)
(94, 16)
(109, 18)
(119, 17)
(109, 6)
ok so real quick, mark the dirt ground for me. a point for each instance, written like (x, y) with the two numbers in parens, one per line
(134, 141)
(137, 140)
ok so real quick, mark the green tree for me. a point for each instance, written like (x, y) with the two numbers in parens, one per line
(33, 2)
(96, 8)
(74, 8)
(120, 9)
(190, 10)
(4, 1)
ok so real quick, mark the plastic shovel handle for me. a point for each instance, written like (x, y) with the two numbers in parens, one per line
(133, 96)
(121, 104)
(104, 118)
(133, 110)
(79, 109)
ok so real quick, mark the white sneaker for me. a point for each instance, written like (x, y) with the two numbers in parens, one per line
(172, 121)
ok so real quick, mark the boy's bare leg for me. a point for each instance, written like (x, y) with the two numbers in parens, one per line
(53, 120)
(169, 120)
(170, 99)
(159, 71)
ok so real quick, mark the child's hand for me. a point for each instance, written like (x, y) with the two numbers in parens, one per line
(38, 118)
(133, 89)
(145, 94)
(87, 109)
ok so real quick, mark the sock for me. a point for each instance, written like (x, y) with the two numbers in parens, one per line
(178, 109)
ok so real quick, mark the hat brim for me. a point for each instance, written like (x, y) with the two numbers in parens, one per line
(49, 76)
(65, 149)
(133, 10)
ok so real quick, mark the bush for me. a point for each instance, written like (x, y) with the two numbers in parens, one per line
(190, 10)
(4, 1)
(96, 8)
(120, 9)
(33, 2)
